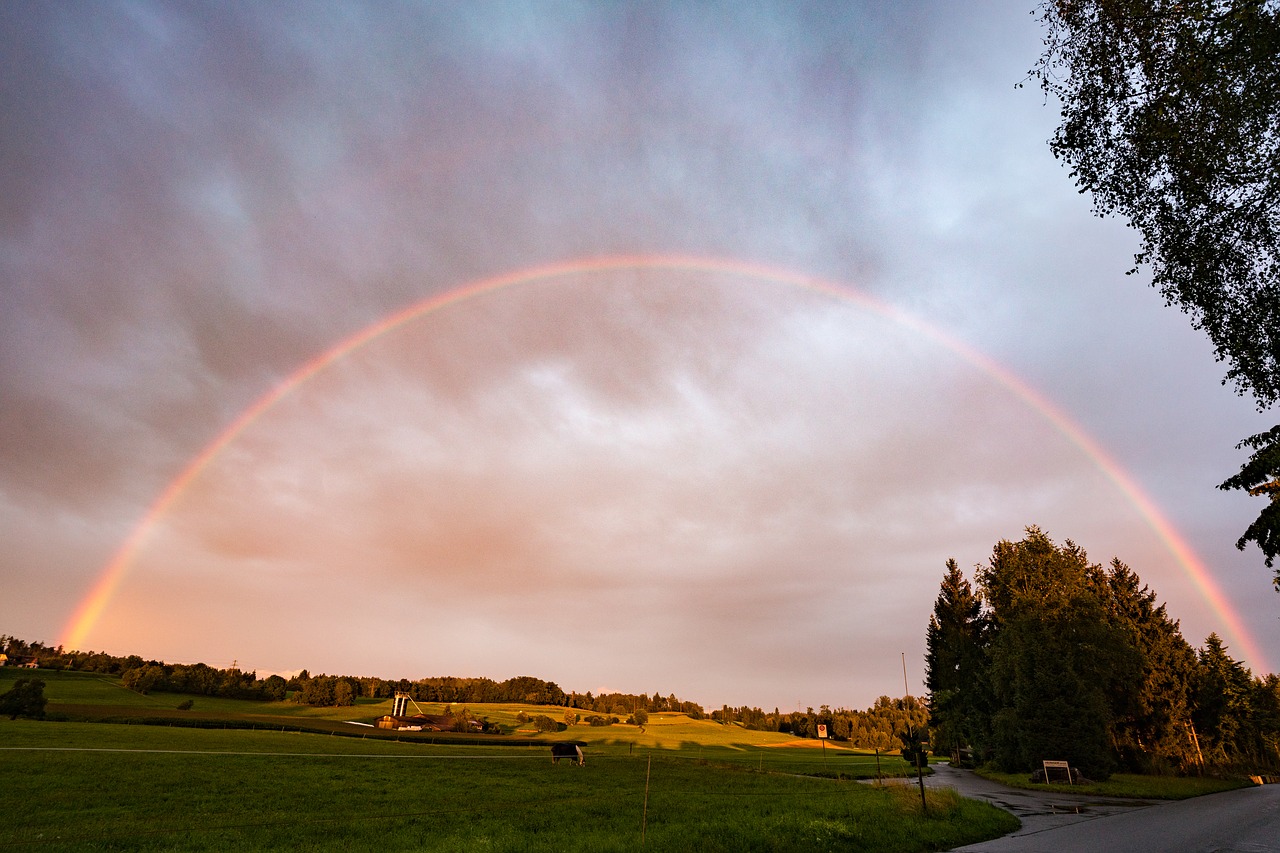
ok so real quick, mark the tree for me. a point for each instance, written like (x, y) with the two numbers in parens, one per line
(1057, 673)
(343, 693)
(1059, 668)
(143, 679)
(1169, 117)
(1080, 663)
(275, 688)
(1222, 701)
(1151, 733)
(541, 722)
(953, 663)
(1260, 476)
(24, 699)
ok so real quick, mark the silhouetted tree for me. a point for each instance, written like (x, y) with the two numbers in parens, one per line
(1169, 117)
(24, 699)
(954, 664)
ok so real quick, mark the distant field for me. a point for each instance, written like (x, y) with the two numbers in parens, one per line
(679, 785)
(91, 696)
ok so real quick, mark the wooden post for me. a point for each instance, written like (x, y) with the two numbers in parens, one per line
(644, 820)
(924, 804)
(1195, 740)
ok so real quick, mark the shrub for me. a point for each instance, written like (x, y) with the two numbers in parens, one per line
(543, 723)
(24, 699)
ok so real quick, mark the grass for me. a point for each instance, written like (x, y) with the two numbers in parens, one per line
(96, 697)
(278, 777)
(1126, 785)
(71, 787)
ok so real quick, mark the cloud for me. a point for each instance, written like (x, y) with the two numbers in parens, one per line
(734, 482)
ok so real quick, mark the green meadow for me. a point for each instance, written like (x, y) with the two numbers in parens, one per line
(681, 784)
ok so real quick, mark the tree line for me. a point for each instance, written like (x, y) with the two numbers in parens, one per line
(145, 676)
(878, 727)
(1047, 656)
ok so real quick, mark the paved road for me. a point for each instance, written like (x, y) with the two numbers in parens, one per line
(1243, 821)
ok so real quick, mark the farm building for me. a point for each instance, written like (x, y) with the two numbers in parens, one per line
(416, 723)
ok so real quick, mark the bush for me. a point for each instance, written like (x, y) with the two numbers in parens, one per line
(543, 723)
(25, 699)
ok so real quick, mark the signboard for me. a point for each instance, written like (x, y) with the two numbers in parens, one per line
(822, 730)
(1061, 769)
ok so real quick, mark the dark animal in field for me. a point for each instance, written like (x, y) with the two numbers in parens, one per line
(571, 751)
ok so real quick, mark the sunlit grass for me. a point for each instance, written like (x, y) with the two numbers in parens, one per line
(218, 790)
(91, 696)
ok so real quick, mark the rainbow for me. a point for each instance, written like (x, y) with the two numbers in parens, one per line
(95, 601)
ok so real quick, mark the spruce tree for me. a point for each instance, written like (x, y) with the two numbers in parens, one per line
(954, 665)
(1151, 733)
(1060, 668)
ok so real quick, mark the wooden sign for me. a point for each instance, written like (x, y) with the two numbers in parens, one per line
(1062, 768)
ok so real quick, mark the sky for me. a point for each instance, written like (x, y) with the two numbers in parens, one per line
(639, 347)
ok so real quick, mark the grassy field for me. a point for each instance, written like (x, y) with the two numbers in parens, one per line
(94, 697)
(77, 786)
(680, 785)
(1127, 785)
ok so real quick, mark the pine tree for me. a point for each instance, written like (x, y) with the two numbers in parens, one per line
(1151, 733)
(953, 665)
(1222, 698)
(1061, 670)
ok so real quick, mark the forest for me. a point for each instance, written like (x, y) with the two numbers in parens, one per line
(1046, 655)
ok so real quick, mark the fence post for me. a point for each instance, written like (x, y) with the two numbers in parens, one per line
(644, 820)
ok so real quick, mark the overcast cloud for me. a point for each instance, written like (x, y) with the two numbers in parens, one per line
(709, 483)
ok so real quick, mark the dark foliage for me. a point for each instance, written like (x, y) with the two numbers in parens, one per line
(1076, 662)
(1170, 117)
(24, 699)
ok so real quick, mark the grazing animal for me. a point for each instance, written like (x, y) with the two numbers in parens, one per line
(571, 751)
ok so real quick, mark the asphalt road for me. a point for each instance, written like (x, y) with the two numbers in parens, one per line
(1242, 821)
